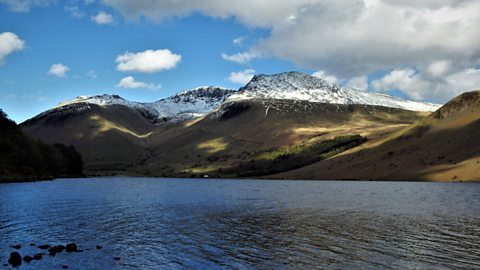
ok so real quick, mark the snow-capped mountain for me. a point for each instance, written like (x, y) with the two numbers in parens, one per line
(184, 105)
(284, 86)
(300, 86)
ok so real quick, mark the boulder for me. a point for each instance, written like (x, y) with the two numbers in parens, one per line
(27, 259)
(44, 247)
(71, 247)
(16, 246)
(15, 259)
(56, 249)
(38, 256)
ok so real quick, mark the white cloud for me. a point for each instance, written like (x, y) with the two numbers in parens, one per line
(241, 77)
(130, 83)
(418, 86)
(345, 38)
(92, 74)
(9, 43)
(88, 2)
(241, 58)
(439, 68)
(148, 61)
(24, 5)
(327, 77)
(238, 41)
(360, 82)
(75, 11)
(58, 70)
(102, 18)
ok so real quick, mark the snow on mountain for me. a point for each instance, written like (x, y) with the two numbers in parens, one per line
(185, 105)
(300, 86)
(285, 86)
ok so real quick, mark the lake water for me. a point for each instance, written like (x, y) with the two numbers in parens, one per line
(243, 224)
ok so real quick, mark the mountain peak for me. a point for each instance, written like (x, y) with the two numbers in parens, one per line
(300, 86)
(466, 101)
(103, 99)
(184, 105)
(292, 81)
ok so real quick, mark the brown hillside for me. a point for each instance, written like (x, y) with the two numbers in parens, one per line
(116, 139)
(444, 146)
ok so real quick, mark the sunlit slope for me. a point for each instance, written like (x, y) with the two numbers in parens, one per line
(108, 138)
(239, 131)
(119, 139)
(444, 146)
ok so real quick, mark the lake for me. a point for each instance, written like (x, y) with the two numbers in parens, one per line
(243, 224)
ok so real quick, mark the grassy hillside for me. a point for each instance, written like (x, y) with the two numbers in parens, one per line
(444, 146)
(245, 131)
(108, 139)
(224, 143)
(22, 158)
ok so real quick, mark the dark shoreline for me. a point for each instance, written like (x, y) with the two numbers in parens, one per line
(42, 179)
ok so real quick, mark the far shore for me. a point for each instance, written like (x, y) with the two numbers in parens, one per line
(41, 179)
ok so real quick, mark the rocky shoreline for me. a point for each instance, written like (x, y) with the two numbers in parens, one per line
(16, 259)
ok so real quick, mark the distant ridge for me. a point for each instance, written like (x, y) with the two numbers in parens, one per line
(200, 101)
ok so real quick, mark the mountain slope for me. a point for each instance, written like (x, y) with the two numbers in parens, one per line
(120, 139)
(441, 147)
(107, 137)
(243, 130)
(212, 130)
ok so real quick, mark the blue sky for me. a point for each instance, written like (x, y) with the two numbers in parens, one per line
(52, 35)
(271, 37)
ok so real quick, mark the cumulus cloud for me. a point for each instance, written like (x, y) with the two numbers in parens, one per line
(360, 82)
(130, 83)
(241, 58)
(149, 61)
(327, 77)
(58, 70)
(414, 83)
(24, 5)
(102, 18)
(9, 43)
(434, 37)
(241, 77)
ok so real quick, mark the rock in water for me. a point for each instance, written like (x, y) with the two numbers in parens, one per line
(44, 247)
(16, 246)
(27, 259)
(38, 256)
(99, 247)
(56, 249)
(15, 259)
(64, 266)
(72, 247)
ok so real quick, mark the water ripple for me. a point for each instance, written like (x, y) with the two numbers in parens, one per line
(205, 224)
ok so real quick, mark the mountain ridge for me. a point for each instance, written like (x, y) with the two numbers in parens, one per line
(197, 102)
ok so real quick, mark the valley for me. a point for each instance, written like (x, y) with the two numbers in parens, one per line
(282, 123)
